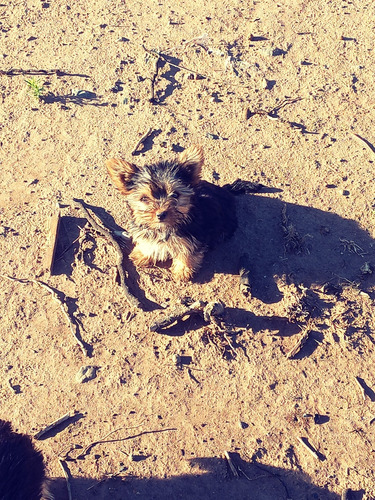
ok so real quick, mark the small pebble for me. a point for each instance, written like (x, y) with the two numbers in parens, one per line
(85, 94)
(213, 309)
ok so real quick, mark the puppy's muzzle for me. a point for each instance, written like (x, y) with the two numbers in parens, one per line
(162, 215)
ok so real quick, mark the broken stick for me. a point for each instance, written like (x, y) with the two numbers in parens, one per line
(141, 141)
(363, 392)
(179, 313)
(120, 256)
(299, 344)
(309, 447)
(231, 464)
(54, 424)
(67, 476)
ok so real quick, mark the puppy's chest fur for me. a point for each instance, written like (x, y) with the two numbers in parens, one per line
(162, 245)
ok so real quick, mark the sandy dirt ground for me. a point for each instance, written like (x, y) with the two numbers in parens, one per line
(280, 93)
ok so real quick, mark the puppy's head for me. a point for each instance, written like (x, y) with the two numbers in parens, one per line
(160, 195)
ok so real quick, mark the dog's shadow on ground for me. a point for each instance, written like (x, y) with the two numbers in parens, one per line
(210, 479)
(302, 244)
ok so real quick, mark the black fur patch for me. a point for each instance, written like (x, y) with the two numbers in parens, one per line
(21, 466)
(213, 215)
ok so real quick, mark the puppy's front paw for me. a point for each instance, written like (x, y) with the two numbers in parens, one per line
(140, 259)
(181, 270)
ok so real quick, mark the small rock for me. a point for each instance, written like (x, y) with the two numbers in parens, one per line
(84, 94)
(85, 374)
(243, 425)
(278, 52)
(213, 309)
(345, 192)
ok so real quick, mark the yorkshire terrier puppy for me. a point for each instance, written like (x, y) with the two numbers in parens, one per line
(175, 215)
(22, 473)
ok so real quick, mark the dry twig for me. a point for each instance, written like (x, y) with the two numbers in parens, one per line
(309, 447)
(365, 141)
(120, 256)
(67, 476)
(179, 66)
(179, 313)
(141, 141)
(300, 343)
(104, 440)
(54, 424)
(231, 464)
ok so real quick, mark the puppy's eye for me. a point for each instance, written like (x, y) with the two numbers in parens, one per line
(175, 195)
(144, 199)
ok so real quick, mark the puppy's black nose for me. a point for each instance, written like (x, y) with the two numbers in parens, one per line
(161, 215)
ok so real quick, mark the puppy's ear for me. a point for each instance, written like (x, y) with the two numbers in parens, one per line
(121, 173)
(192, 160)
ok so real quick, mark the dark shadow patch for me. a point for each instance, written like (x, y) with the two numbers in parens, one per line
(321, 419)
(169, 75)
(210, 479)
(312, 343)
(81, 98)
(325, 259)
(270, 84)
(67, 244)
(148, 143)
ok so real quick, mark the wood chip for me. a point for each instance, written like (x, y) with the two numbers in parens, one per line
(54, 424)
(309, 447)
(53, 231)
(299, 344)
(231, 464)
(67, 476)
(179, 313)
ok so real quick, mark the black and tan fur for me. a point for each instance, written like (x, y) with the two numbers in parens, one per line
(176, 215)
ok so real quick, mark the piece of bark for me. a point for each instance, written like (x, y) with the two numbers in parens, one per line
(53, 234)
